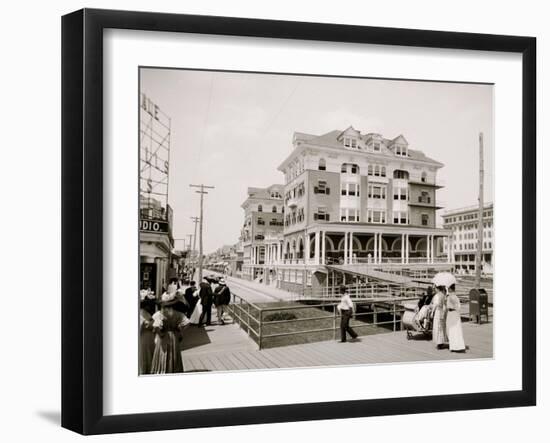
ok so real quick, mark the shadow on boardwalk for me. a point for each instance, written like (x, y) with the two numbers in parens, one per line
(229, 349)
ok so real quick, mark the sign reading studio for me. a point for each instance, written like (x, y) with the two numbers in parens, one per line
(156, 226)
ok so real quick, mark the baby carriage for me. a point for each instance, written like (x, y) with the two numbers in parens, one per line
(417, 322)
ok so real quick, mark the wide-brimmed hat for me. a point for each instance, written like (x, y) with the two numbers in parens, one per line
(147, 298)
(168, 299)
(221, 281)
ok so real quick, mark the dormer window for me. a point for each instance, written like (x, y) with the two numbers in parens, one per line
(401, 150)
(376, 147)
(350, 142)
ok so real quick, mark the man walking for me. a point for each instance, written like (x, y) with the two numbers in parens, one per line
(190, 298)
(347, 310)
(222, 297)
(206, 296)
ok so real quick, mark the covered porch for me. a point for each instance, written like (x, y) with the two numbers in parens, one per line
(342, 244)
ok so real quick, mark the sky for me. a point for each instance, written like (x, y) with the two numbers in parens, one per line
(232, 130)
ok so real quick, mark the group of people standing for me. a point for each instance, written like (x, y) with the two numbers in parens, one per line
(163, 321)
(444, 307)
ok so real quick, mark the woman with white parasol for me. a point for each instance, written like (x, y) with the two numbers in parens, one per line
(441, 281)
(454, 322)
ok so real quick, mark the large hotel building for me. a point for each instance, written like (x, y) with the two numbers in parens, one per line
(349, 200)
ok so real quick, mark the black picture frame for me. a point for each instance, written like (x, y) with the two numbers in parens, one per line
(82, 220)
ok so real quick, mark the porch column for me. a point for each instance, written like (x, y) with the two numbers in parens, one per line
(307, 249)
(380, 248)
(317, 248)
(449, 248)
(431, 248)
(375, 247)
(345, 248)
(253, 255)
(402, 248)
(351, 247)
(428, 249)
(323, 248)
(407, 252)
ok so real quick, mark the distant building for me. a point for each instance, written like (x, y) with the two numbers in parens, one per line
(464, 224)
(262, 232)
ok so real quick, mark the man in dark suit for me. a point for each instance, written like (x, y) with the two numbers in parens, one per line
(207, 297)
(222, 297)
(189, 297)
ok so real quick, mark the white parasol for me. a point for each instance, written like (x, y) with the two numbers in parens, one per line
(444, 279)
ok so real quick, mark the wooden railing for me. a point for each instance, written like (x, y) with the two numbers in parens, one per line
(253, 319)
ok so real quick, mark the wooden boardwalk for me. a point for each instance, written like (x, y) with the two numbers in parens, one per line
(228, 348)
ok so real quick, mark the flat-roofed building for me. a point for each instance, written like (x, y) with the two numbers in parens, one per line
(463, 223)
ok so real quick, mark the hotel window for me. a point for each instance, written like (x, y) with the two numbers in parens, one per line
(261, 221)
(353, 189)
(344, 168)
(400, 194)
(377, 171)
(347, 142)
(321, 214)
(400, 217)
(383, 171)
(424, 197)
(377, 192)
(425, 219)
(423, 177)
(376, 147)
(274, 209)
(370, 170)
(353, 143)
(401, 150)
(322, 165)
(349, 215)
(374, 216)
(400, 174)
(321, 188)
(260, 209)
(354, 169)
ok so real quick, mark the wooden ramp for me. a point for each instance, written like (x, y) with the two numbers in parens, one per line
(230, 349)
(367, 271)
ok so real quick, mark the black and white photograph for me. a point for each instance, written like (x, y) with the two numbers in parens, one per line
(298, 221)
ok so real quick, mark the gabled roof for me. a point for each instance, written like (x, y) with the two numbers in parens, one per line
(400, 139)
(333, 139)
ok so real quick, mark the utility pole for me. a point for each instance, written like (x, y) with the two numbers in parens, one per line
(189, 258)
(480, 216)
(202, 191)
(195, 220)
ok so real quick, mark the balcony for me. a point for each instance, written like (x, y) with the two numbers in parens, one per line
(292, 202)
(427, 183)
(426, 203)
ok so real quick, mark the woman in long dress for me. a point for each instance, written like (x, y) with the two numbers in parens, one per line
(146, 334)
(454, 323)
(168, 325)
(439, 310)
(197, 309)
